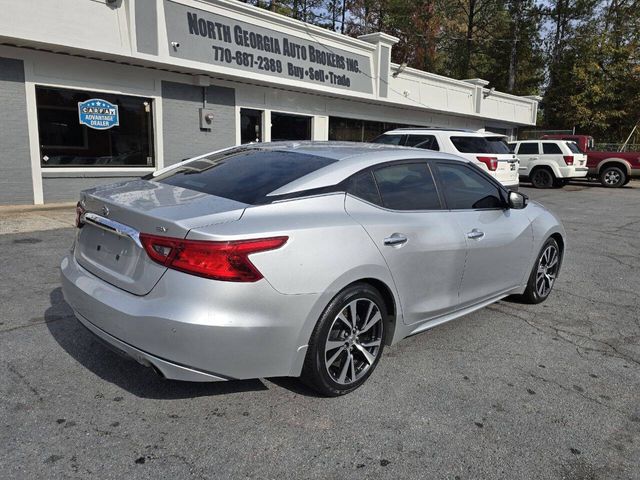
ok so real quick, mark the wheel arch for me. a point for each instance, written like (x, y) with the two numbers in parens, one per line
(547, 166)
(614, 162)
(557, 236)
(390, 304)
(374, 275)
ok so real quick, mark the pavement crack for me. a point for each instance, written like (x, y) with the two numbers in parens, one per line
(35, 324)
(573, 391)
(25, 381)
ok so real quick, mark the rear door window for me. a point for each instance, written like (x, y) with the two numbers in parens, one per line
(528, 149)
(471, 145)
(551, 148)
(244, 175)
(407, 186)
(362, 185)
(427, 142)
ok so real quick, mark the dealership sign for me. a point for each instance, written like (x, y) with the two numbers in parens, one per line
(98, 114)
(202, 36)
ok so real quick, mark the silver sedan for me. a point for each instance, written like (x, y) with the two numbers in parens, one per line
(300, 259)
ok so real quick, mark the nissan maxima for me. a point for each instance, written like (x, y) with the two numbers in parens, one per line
(300, 259)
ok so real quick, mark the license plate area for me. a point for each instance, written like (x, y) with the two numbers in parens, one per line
(107, 250)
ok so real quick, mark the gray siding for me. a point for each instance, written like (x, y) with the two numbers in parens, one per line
(147, 26)
(181, 119)
(16, 185)
(67, 189)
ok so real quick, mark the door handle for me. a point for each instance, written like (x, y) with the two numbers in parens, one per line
(395, 240)
(475, 234)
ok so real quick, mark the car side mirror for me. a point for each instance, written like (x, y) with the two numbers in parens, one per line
(517, 200)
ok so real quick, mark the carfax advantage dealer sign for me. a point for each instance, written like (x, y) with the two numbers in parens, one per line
(98, 114)
(202, 36)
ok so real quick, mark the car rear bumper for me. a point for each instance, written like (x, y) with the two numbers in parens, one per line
(194, 329)
(574, 172)
(165, 368)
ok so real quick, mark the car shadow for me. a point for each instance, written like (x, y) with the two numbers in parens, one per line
(129, 375)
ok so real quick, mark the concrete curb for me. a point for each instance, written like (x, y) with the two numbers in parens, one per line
(36, 208)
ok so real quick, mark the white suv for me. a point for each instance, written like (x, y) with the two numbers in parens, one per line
(488, 150)
(550, 163)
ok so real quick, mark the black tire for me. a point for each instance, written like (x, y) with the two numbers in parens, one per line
(613, 177)
(533, 294)
(542, 178)
(326, 380)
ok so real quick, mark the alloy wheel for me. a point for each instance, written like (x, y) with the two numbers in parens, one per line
(354, 341)
(547, 270)
(612, 177)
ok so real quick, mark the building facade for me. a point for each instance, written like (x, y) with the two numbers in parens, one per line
(96, 91)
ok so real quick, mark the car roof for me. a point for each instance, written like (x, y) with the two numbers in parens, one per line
(351, 157)
(419, 130)
(430, 129)
(545, 140)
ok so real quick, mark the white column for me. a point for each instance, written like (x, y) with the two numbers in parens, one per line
(320, 128)
(266, 126)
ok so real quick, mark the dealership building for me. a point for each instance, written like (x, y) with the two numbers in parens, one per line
(97, 91)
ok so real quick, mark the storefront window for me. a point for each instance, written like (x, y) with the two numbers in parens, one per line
(92, 129)
(290, 127)
(354, 130)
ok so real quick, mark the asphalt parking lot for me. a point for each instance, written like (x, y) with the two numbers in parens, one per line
(512, 391)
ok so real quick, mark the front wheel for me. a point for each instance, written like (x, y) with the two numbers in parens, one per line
(347, 342)
(544, 273)
(613, 177)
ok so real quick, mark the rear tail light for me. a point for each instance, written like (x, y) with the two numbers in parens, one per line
(490, 162)
(568, 159)
(227, 261)
(79, 212)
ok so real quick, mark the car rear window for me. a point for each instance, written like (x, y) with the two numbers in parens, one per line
(574, 147)
(246, 176)
(551, 148)
(472, 145)
(388, 139)
(498, 144)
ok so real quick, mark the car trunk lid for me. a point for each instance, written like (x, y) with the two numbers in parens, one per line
(108, 246)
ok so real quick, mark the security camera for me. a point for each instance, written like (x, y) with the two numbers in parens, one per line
(175, 44)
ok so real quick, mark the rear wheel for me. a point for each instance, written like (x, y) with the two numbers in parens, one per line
(347, 342)
(542, 178)
(544, 273)
(613, 177)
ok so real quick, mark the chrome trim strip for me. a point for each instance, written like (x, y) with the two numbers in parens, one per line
(112, 226)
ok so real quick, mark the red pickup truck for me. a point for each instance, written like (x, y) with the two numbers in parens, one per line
(613, 169)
